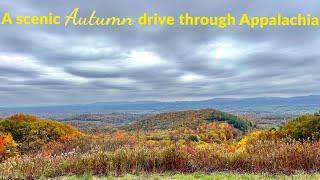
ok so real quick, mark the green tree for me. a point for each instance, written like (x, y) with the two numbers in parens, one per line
(306, 127)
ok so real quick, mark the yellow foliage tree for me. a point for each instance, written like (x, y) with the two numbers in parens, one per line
(259, 136)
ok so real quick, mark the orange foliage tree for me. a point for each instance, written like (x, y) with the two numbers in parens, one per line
(8, 147)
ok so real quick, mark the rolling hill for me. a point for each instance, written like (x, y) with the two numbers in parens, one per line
(188, 119)
(293, 105)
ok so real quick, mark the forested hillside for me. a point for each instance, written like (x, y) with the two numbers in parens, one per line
(189, 119)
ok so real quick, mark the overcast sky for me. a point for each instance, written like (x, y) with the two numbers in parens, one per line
(42, 65)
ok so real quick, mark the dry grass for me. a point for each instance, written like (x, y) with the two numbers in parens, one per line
(260, 157)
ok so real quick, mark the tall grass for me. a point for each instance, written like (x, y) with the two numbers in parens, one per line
(266, 157)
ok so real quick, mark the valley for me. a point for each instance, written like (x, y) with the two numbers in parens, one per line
(179, 142)
(145, 139)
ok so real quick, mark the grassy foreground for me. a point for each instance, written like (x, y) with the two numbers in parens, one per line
(203, 176)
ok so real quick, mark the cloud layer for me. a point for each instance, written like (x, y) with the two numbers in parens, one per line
(58, 65)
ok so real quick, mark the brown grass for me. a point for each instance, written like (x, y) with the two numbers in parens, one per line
(266, 157)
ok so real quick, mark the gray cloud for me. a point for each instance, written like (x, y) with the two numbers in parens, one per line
(58, 65)
(13, 71)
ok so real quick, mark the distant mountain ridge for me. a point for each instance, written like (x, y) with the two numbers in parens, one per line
(298, 104)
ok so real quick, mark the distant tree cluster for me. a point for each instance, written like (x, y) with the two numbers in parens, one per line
(236, 121)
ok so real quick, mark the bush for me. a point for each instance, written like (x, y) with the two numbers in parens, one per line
(306, 127)
(258, 136)
(8, 147)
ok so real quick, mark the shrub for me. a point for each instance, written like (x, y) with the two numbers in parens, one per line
(8, 147)
(258, 136)
(306, 127)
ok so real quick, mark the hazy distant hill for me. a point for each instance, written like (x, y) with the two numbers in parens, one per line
(294, 105)
(106, 119)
